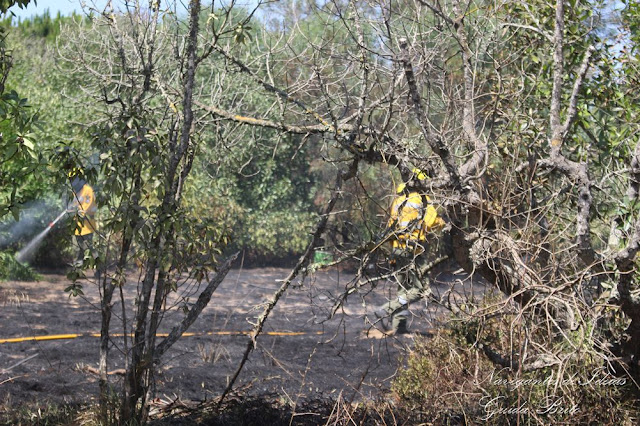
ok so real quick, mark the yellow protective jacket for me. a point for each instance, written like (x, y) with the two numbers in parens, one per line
(411, 221)
(85, 202)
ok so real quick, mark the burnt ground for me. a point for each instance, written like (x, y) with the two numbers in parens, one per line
(341, 356)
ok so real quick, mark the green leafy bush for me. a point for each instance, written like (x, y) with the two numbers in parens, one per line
(11, 269)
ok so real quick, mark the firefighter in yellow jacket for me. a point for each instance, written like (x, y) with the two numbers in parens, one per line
(84, 205)
(412, 219)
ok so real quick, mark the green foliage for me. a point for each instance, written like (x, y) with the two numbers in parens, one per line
(6, 4)
(264, 185)
(56, 147)
(601, 136)
(18, 156)
(12, 270)
(279, 234)
(267, 200)
(274, 193)
(532, 54)
(43, 26)
(27, 138)
(75, 289)
(32, 129)
(631, 16)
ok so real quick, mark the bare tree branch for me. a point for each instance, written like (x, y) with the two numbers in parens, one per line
(270, 88)
(475, 164)
(576, 171)
(194, 312)
(577, 86)
(438, 146)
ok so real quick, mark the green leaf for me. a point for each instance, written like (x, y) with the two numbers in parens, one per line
(74, 290)
(28, 143)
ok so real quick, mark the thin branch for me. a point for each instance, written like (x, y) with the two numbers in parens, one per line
(577, 85)
(633, 192)
(370, 155)
(530, 28)
(270, 88)
(261, 122)
(11, 367)
(438, 11)
(437, 145)
(304, 260)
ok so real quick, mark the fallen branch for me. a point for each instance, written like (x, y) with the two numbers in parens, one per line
(539, 362)
(95, 371)
(6, 370)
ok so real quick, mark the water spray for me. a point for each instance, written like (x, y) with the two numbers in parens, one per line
(28, 250)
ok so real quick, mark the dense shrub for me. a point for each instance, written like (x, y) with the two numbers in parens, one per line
(11, 269)
(451, 379)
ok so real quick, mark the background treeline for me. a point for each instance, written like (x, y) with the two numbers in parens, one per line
(267, 183)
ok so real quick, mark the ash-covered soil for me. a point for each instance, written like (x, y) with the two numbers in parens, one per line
(302, 353)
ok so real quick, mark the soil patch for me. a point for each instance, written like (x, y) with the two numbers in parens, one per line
(301, 354)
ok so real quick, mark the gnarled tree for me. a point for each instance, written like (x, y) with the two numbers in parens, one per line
(499, 102)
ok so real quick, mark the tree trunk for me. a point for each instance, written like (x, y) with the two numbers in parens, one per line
(140, 373)
(105, 306)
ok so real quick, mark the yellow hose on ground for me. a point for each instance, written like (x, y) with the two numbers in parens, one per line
(211, 333)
